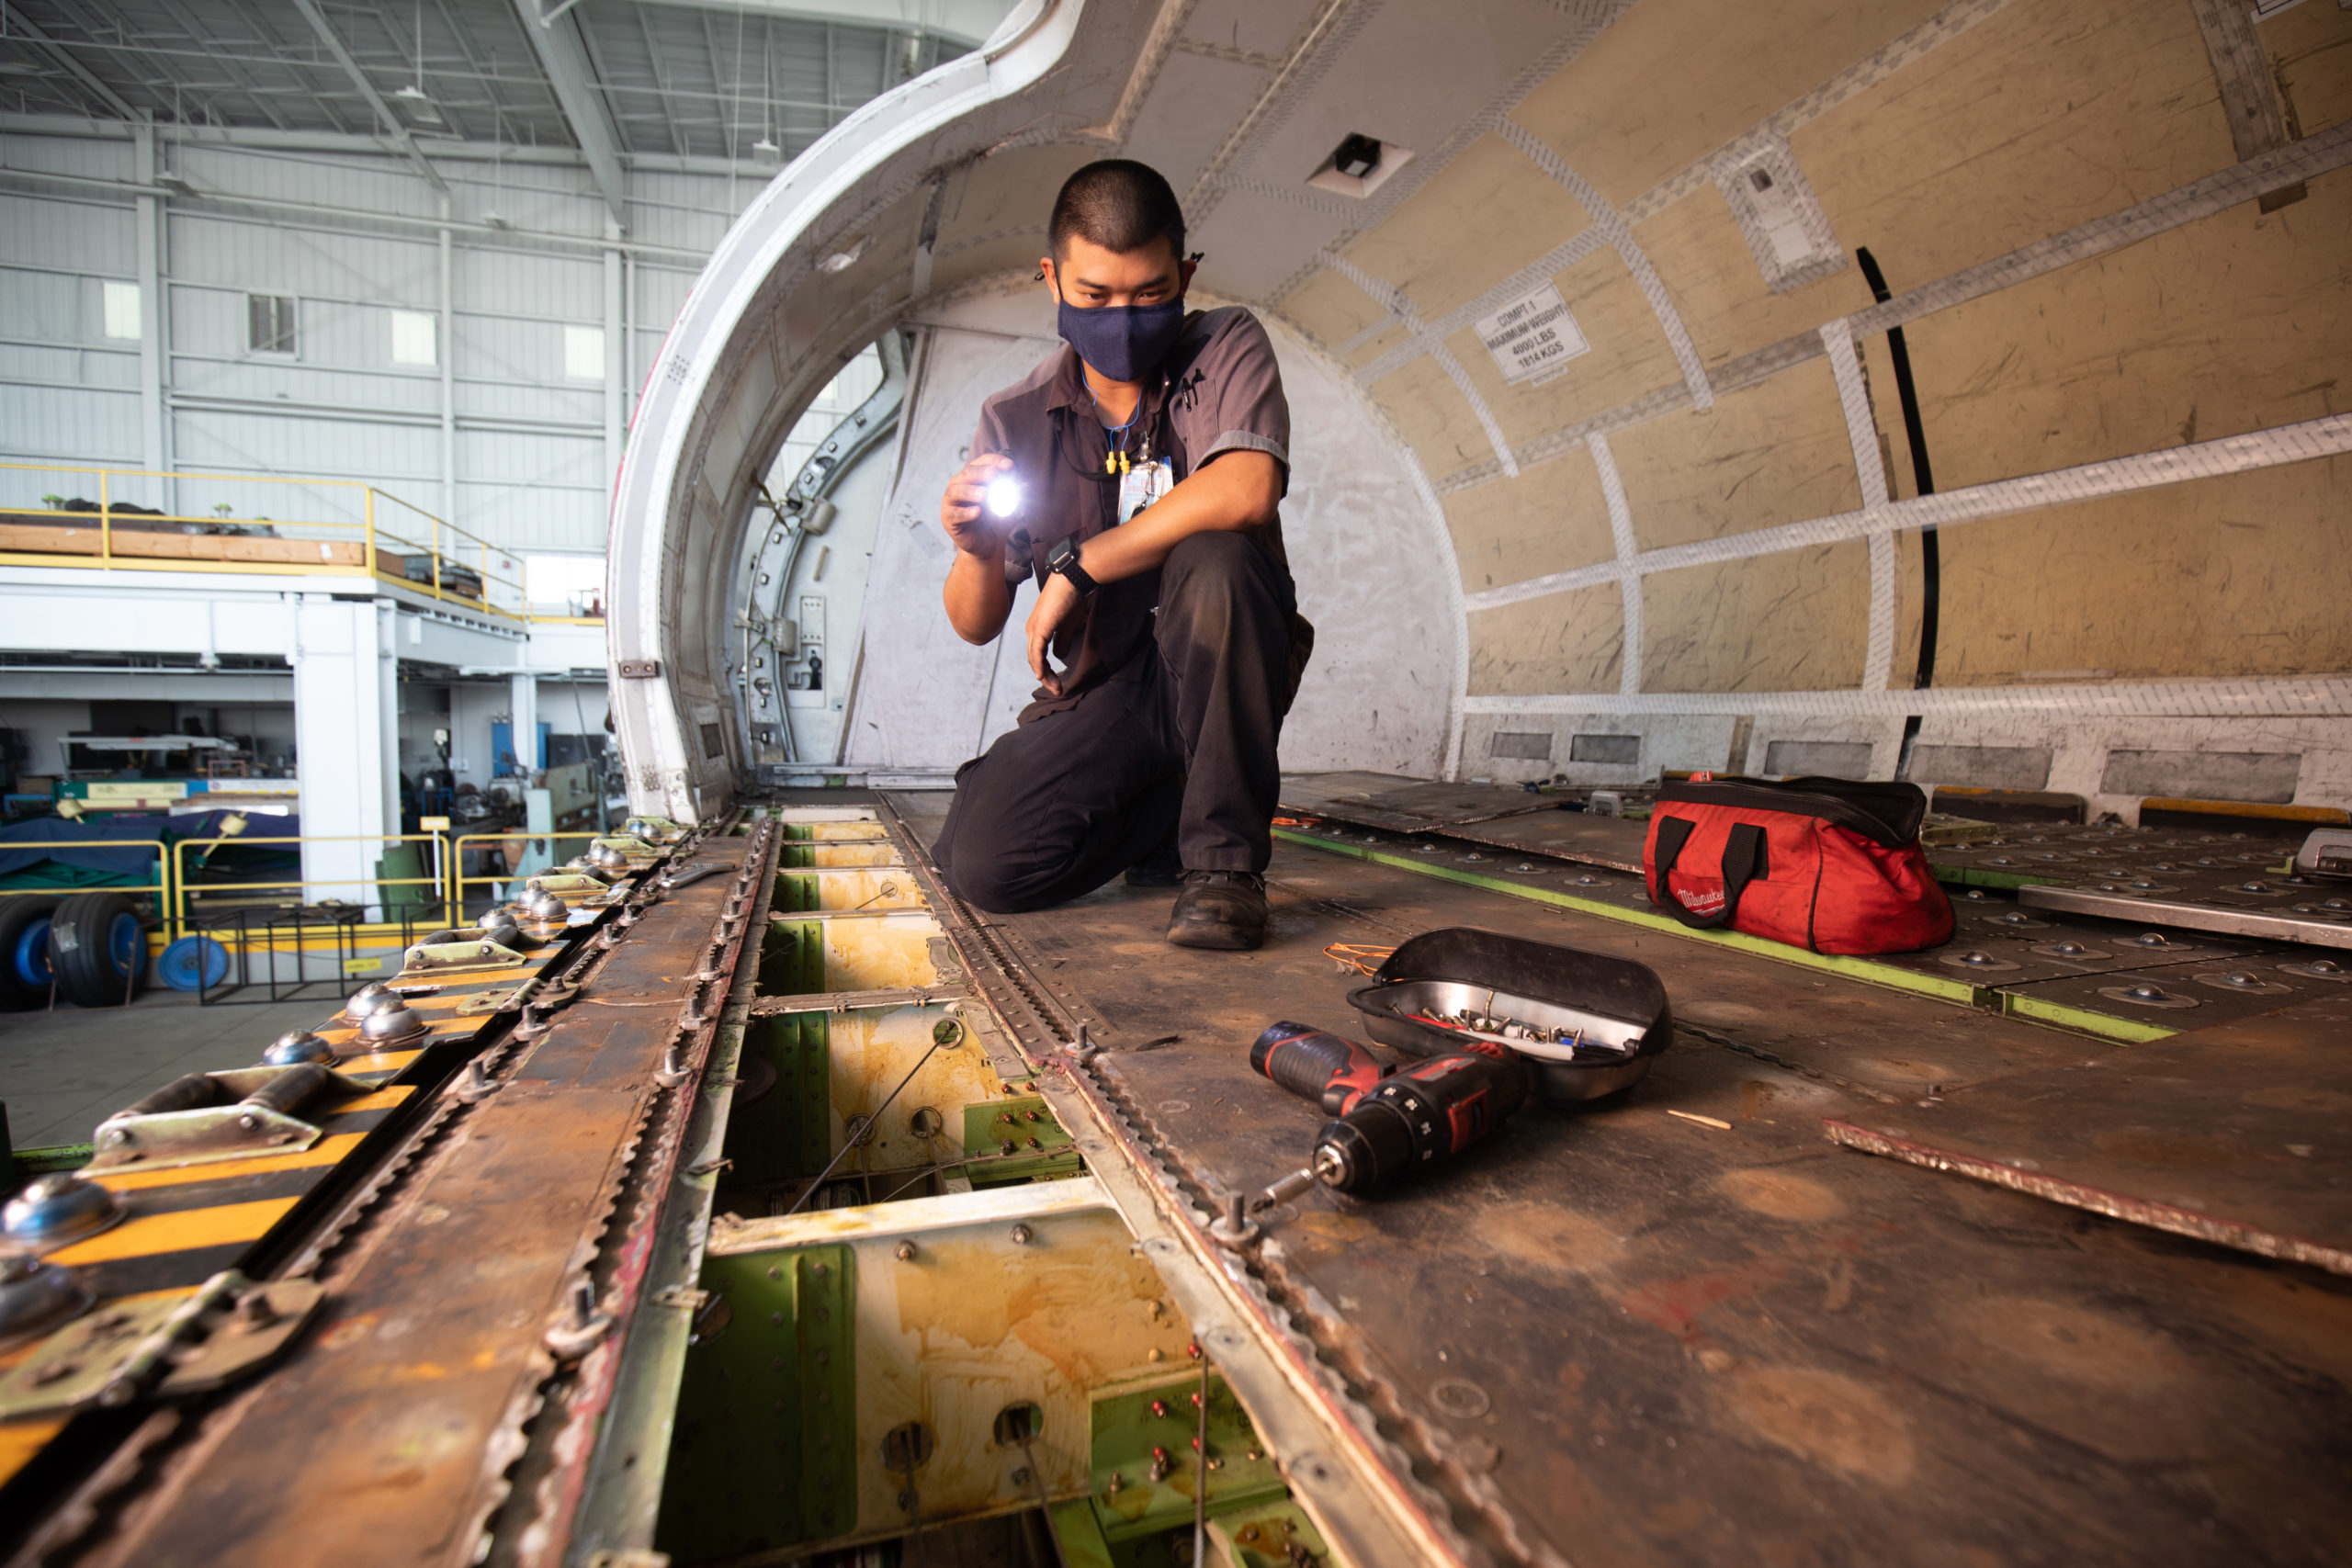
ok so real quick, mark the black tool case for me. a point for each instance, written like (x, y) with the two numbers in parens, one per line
(1619, 1006)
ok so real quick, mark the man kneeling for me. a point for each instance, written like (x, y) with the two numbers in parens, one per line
(1137, 475)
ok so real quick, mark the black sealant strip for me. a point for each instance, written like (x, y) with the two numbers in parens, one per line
(1914, 430)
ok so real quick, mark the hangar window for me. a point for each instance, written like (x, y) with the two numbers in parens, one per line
(584, 353)
(269, 324)
(415, 338)
(121, 300)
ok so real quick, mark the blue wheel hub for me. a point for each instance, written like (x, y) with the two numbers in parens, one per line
(29, 959)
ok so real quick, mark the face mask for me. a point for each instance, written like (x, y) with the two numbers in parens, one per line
(1122, 341)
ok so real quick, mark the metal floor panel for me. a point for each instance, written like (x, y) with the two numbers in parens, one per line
(1616, 1335)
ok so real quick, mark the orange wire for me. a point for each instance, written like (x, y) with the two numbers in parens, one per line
(1356, 956)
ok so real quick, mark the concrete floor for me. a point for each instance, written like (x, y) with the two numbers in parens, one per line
(62, 1072)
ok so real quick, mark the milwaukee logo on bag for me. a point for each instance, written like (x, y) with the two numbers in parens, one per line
(1830, 864)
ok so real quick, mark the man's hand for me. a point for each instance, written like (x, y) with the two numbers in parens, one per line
(1055, 602)
(961, 511)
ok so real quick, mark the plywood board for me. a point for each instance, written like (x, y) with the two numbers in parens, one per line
(1793, 622)
(1561, 642)
(2231, 324)
(1484, 216)
(1629, 355)
(2242, 575)
(85, 539)
(2048, 115)
(1773, 453)
(1551, 518)
(1731, 66)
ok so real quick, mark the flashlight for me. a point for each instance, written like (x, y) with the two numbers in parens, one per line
(1003, 496)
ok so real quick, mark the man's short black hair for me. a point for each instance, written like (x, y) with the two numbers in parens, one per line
(1120, 205)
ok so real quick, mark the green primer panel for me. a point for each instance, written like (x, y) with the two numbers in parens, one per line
(766, 1437)
(792, 959)
(787, 1134)
(1123, 1428)
(988, 1123)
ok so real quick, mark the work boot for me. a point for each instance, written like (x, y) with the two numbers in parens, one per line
(1225, 909)
(1159, 869)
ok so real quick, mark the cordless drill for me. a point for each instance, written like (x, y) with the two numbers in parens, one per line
(1385, 1123)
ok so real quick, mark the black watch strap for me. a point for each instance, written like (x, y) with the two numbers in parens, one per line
(1062, 559)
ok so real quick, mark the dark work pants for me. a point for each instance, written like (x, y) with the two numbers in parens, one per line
(1068, 801)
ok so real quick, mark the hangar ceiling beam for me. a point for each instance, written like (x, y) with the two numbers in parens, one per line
(19, 22)
(390, 121)
(564, 57)
(968, 21)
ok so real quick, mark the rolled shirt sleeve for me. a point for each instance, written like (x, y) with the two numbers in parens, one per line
(1239, 402)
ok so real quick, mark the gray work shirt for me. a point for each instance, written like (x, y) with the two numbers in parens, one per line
(1218, 390)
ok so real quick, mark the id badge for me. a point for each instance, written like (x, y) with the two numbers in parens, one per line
(1143, 484)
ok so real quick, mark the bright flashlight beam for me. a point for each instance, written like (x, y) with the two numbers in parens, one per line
(1003, 496)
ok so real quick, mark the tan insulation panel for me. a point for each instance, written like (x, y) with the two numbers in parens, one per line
(1798, 621)
(2046, 115)
(1773, 453)
(1487, 214)
(2311, 55)
(1673, 80)
(1330, 310)
(1380, 343)
(1562, 642)
(1433, 417)
(2242, 575)
(1552, 518)
(1886, 407)
(1006, 190)
(1629, 355)
(2234, 323)
(1725, 303)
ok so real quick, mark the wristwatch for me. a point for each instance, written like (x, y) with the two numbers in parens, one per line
(1061, 556)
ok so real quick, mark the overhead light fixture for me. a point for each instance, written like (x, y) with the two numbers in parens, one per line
(495, 221)
(1359, 165)
(764, 145)
(1357, 156)
(412, 92)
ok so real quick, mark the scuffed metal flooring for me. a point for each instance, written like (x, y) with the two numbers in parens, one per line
(1614, 1335)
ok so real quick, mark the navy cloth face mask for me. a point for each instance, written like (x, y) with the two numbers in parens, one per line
(1122, 341)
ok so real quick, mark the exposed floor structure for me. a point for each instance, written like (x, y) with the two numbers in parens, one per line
(1622, 1334)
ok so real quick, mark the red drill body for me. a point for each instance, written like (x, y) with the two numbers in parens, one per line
(1385, 1124)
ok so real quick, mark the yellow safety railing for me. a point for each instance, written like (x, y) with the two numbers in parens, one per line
(162, 888)
(434, 882)
(365, 532)
(460, 882)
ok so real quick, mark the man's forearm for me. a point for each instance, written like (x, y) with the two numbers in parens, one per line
(978, 597)
(1239, 489)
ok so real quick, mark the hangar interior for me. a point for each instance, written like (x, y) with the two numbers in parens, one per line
(1934, 393)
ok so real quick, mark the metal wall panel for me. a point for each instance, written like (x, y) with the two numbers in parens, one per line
(280, 258)
(73, 423)
(70, 235)
(530, 461)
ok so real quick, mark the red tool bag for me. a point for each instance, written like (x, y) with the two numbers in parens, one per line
(1830, 864)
